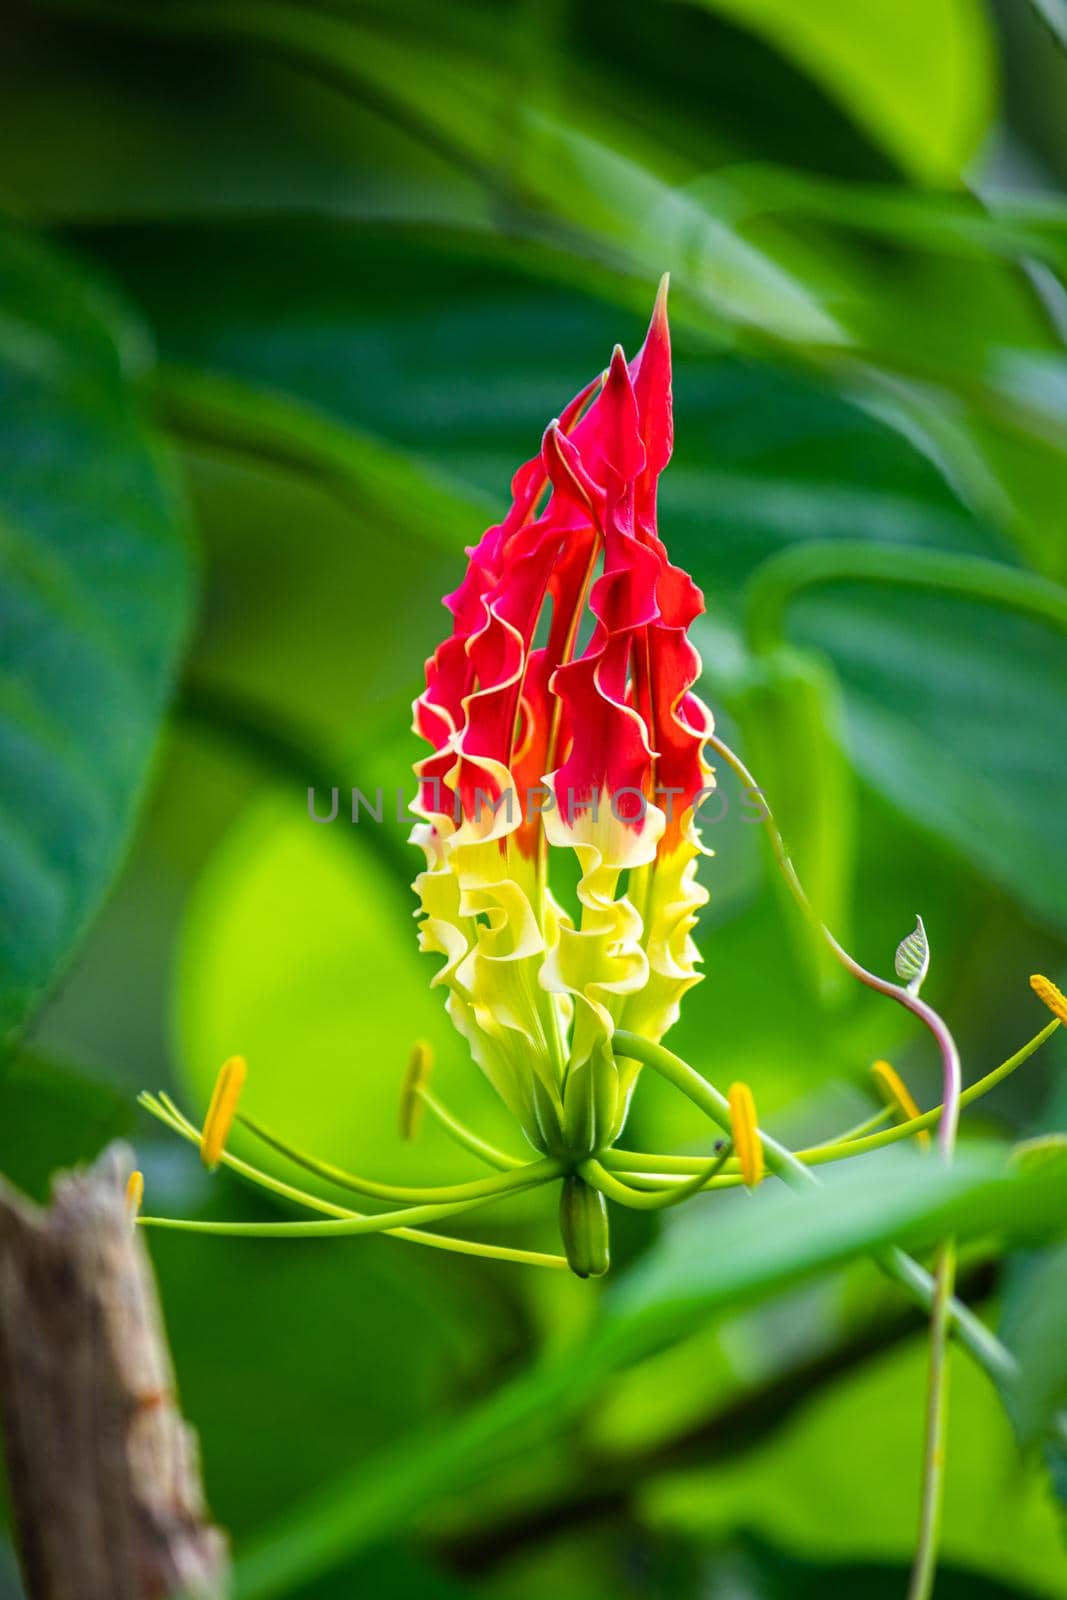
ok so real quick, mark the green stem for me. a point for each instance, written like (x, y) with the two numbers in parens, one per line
(333, 1227)
(933, 1463)
(950, 1062)
(704, 1094)
(465, 1137)
(636, 1162)
(504, 1183)
(976, 1338)
(925, 1563)
(868, 1125)
(167, 1112)
(600, 1178)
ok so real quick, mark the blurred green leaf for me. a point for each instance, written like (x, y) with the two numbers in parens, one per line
(918, 74)
(790, 1234)
(790, 717)
(1032, 1325)
(381, 485)
(952, 671)
(52, 1117)
(388, 1572)
(295, 1363)
(446, 345)
(323, 663)
(95, 125)
(93, 605)
(841, 1482)
(1054, 13)
(590, 198)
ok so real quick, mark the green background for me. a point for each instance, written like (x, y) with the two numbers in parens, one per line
(286, 293)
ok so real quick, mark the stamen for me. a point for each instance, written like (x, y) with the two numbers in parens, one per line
(1054, 998)
(220, 1112)
(134, 1194)
(897, 1095)
(747, 1141)
(416, 1077)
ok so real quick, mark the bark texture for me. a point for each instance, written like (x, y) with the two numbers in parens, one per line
(104, 1473)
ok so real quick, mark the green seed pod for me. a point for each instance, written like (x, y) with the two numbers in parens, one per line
(583, 1224)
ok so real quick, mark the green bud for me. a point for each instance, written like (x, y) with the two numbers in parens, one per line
(583, 1224)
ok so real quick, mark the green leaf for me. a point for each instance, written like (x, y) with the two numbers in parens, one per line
(790, 714)
(916, 74)
(1054, 14)
(445, 345)
(53, 1116)
(1035, 1314)
(912, 960)
(94, 594)
(385, 486)
(953, 671)
(811, 1486)
(789, 1235)
(590, 200)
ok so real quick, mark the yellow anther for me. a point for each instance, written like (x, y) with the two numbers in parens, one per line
(134, 1194)
(416, 1076)
(1054, 998)
(747, 1142)
(895, 1093)
(220, 1112)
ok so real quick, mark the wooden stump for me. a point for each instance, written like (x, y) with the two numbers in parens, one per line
(104, 1473)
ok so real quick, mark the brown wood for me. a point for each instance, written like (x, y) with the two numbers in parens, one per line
(103, 1471)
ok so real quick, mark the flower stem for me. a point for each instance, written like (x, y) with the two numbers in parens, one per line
(520, 1178)
(896, 1263)
(634, 1163)
(465, 1137)
(600, 1178)
(950, 1062)
(168, 1113)
(933, 1463)
(924, 1565)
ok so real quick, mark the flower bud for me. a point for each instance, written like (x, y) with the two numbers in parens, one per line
(583, 1226)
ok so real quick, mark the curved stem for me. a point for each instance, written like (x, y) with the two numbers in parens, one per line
(857, 1131)
(635, 1163)
(921, 1286)
(704, 1095)
(333, 1227)
(504, 1183)
(952, 1077)
(921, 1584)
(598, 1177)
(465, 1137)
(950, 1061)
(167, 1112)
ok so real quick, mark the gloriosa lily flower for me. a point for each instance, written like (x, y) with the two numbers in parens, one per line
(567, 746)
(565, 728)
